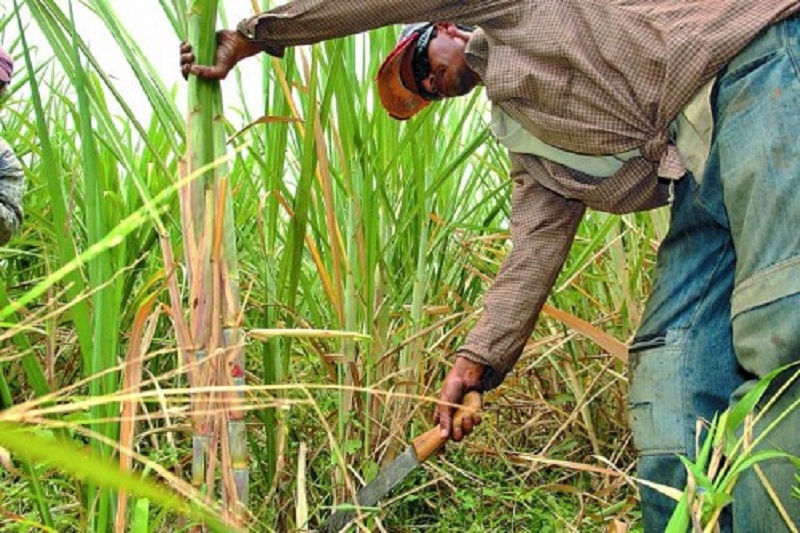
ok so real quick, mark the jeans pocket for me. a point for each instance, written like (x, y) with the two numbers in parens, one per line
(739, 70)
(656, 394)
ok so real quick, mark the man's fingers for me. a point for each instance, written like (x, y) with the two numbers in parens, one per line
(467, 424)
(187, 59)
(213, 72)
(445, 415)
(209, 73)
(454, 394)
(464, 376)
(458, 431)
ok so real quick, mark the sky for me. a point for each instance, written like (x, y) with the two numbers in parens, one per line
(147, 24)
(152, 32)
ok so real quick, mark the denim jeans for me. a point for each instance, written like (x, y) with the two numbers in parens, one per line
(725, 305)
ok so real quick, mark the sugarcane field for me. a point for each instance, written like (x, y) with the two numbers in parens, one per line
(423, 266)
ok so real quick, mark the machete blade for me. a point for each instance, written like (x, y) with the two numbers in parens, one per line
(422, 448)
(387, 479)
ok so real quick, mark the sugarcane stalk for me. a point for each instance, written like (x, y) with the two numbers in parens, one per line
(232, 372)
(215, 308)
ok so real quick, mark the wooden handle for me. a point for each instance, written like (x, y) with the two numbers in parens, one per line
(429, 442)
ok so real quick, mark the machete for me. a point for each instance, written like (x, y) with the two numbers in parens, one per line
(419, 451)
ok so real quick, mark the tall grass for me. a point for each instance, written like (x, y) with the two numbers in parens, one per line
(359, 247)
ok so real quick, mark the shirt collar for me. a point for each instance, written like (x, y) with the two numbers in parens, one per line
(478, 52)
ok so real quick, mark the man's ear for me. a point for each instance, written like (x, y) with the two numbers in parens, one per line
(452, 30)
(446, 27)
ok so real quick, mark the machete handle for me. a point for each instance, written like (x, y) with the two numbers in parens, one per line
(429, 442)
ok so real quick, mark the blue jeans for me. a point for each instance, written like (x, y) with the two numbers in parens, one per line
(725, 305)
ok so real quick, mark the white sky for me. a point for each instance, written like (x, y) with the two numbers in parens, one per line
(152, 31)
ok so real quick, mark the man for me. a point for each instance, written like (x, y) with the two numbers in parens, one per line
(12, 179)
(609, 105)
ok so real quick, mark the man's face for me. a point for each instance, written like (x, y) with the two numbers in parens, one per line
(449, 75)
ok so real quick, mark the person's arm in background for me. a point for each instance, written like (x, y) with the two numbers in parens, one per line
(543, 226)
(12, 185)
(311, 21)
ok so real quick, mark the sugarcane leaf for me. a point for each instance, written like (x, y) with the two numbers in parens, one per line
(85, 464)
(698, 474)
(141, 516)
(746, 405)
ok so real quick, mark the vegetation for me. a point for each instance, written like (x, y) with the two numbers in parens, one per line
(360, 247)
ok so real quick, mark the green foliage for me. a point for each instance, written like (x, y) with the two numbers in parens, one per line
(728, 451)
(27, 444)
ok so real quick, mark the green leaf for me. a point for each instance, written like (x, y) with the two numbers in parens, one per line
(699, 475)
(370, 470)
(141, 516)
(745, 406)
(749, 460)
(84, 464)
(680, 519)
(717, 500)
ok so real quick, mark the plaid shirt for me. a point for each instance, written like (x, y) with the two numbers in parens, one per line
(594, 77)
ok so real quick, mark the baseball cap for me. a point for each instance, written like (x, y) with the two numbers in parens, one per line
(6, 66)
(397, 88)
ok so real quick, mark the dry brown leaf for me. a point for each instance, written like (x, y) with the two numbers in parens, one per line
(607, 342)
(618, 527)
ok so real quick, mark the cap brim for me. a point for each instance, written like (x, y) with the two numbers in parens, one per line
(401, 102)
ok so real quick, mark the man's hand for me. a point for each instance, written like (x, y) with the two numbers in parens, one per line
(465, 376)
(232, 47)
